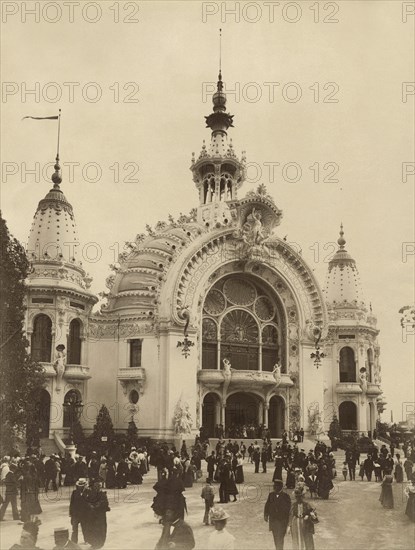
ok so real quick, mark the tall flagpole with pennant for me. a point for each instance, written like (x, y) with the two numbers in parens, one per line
(56, 176)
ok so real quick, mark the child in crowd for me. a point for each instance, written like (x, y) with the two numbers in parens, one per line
(345, 470)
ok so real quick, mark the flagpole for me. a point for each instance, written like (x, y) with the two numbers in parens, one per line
(59, 132)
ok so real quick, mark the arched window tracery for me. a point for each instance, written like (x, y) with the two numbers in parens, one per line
(243, 323)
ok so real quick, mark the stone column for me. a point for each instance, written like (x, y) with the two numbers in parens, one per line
(266, 414)
(223, 416)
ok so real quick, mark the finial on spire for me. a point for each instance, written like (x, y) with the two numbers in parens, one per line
(56, 176)
(220, 83)
(341, 241)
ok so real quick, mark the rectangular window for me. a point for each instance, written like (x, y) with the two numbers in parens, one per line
(135, 353)
(42, 300)
(75, 304)
(347, 336)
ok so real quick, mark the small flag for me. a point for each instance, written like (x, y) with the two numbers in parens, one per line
(42, 117)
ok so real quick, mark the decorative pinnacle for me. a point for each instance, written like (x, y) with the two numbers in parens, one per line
(56, 176)
(341, 241)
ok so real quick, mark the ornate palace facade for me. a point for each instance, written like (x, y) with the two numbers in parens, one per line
(209, 319)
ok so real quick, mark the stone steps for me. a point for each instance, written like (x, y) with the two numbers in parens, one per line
(48, 446)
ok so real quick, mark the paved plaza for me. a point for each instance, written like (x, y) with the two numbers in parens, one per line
(351, 519)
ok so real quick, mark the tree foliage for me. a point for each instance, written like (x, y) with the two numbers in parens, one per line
(104, 426)
(21, 379)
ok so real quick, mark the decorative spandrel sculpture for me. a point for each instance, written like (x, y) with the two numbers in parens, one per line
(59, 365)
(182, 418)
(277, 374)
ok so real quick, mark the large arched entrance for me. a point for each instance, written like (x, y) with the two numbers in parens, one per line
(44, 413)
(241, 411)
(348, 415)
(276, 416)
(210, 414)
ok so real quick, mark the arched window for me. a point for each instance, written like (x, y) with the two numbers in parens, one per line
(243, 322)
(209, 345)
(270, 348)
(208, 188)
(369, 367)
(240, 340)
(347, 365)
(41, 341)
(74, 342)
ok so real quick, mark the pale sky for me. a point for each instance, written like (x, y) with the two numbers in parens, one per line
(347, 76)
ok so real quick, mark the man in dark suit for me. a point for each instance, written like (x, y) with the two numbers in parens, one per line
(256, 456)
(312, 483)
(276, 512)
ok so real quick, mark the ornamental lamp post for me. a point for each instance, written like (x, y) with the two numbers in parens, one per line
(317, 355)
(73, 405)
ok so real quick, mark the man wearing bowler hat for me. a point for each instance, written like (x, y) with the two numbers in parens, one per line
(276, 512)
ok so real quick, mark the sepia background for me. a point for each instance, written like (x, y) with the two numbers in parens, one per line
(316, 84)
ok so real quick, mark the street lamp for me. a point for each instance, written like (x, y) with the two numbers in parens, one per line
(73, 405)
(317, 355)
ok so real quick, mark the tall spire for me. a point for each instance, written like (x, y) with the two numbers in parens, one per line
(217, 172)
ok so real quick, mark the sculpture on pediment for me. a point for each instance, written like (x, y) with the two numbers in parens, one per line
(252, 230)
(59, 365)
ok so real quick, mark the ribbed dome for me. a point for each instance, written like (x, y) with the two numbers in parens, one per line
(343, 287)
(53, 234)
(136, 285)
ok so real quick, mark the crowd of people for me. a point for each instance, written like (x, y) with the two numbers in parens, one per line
(305, 473)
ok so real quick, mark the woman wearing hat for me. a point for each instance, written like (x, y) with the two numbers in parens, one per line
(220, 539)
(301, 521)
(28, 538)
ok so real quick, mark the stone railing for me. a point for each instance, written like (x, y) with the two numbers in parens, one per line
(242, 378)
(348, 387)
(72, 372)
(132, 378)
(373, 389)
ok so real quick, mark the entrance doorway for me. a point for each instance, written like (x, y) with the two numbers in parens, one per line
(210, 415)
(348, 415)
(44, 413)
(241, 410)
(276, 416)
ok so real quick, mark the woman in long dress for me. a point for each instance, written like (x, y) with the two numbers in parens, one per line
(232, 489)
(239, 472)
(301, 523)
(325, 484)
(398, 469)
(187, 473)
(290, 482)
(29, 493)
(96, 515)
(386, 495)
(410, 505)
(110, 483)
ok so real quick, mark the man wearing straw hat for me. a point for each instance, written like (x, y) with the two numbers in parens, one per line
(77, 508)
(220, 539)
